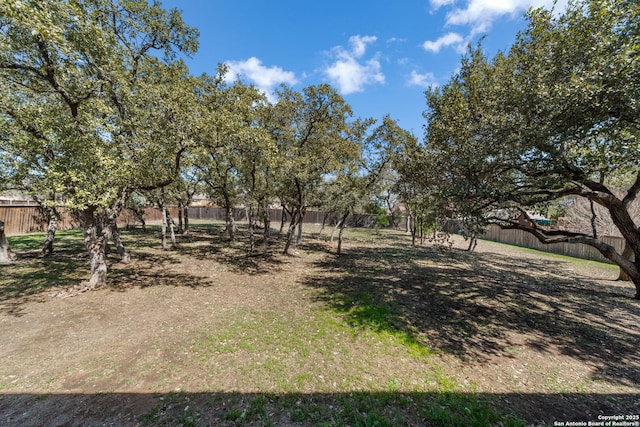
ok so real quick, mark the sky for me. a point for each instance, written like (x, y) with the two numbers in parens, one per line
(380, 55)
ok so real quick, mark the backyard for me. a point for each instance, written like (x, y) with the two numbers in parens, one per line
(385, 334)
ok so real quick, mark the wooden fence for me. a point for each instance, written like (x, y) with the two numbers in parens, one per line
(29, 219)
(527, 240)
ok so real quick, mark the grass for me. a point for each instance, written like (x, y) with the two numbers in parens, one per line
(325, 341)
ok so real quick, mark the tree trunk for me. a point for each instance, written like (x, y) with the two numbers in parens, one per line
(115, 235)
(252, 234)
(628, 254)
(53, 216)
(333, 232)
(180, 210)
(6, 255)
(283, 218)
(95, 241)
(299, 234)
(231, 224)
(414, 231)
(636, 282)
(172, 233)
(324, 221)
(185, 232)
(267, 229)
(296, 217)
(164, 227)
(343, 222)
(472, 243)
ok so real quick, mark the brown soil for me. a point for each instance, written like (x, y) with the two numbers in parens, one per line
(542, 336)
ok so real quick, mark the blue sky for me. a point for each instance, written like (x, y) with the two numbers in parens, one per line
(381, 55)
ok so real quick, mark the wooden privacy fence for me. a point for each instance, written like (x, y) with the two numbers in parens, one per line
(29, 219)
(528, 240)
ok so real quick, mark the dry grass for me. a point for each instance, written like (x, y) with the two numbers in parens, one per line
(386, 334)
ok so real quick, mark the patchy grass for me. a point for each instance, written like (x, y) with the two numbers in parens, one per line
(385, 334)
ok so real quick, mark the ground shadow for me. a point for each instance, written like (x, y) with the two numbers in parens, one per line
(294, 409)
(469, 304)
(34, 277)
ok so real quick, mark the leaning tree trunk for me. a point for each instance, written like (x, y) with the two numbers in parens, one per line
(53, 216)
(338, 226)
(283, 218)
(324, 222)
(473, 241)
(296, 218)
(6, 255)
(115, 235)
(343, 223)
(95, 241)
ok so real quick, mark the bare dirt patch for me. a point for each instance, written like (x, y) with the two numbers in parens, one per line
(209, 335)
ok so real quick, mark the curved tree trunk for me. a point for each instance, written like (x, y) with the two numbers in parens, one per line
(6, 255)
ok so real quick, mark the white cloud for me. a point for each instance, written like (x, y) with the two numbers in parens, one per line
(437, 4)
(424, 80)
(359, 44)
(265, 78)
(444, 41)
(480, 14)
(349, 72)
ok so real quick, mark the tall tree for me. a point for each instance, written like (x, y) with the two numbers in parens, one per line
(358, 181)
(73, 76)
(312, 139)
(555, 117)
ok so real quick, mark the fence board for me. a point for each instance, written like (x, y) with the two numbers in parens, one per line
(527, 240)
(27, 219)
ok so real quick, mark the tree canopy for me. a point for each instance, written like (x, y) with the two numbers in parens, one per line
(556, 116)
(96, 106)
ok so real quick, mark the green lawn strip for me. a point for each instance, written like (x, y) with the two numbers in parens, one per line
(322, 371)
(316, 364)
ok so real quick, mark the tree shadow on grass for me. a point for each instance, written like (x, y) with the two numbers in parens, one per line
(473, 304)
(309, 409)
(33, 277)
